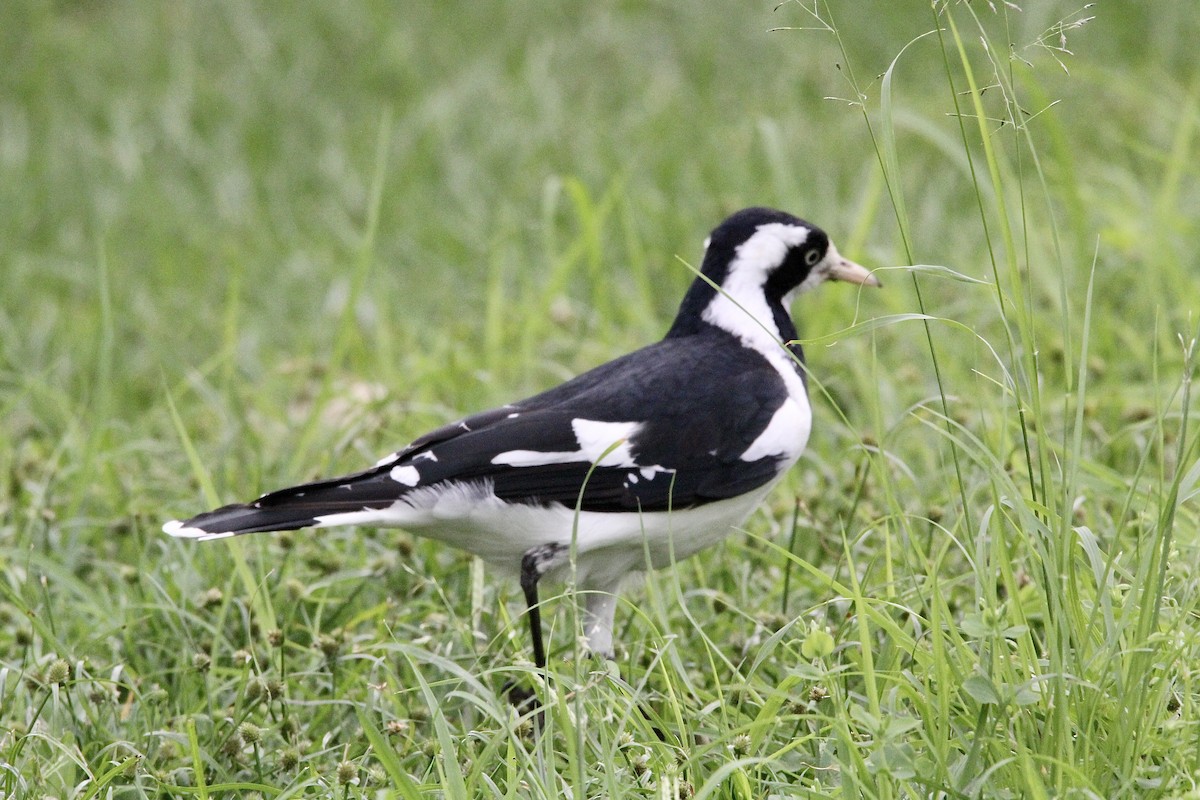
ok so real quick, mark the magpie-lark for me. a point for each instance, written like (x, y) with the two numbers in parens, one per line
(648, 458)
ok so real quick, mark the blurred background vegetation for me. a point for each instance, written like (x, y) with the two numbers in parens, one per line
(317, 229)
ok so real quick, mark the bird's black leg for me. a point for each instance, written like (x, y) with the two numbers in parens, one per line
(530, 574)
(534, 564)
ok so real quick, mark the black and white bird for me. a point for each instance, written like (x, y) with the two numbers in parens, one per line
(641, 461)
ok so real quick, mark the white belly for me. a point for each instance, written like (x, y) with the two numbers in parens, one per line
(608, 545)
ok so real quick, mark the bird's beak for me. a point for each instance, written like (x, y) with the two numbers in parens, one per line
(844, 269)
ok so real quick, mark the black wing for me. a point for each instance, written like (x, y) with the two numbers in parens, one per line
(697, 409)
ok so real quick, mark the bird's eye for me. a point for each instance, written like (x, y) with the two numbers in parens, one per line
(812, 257)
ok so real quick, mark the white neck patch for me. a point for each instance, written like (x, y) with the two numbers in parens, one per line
(741, 305)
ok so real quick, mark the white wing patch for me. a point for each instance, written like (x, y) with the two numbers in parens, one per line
(406, 475)
(390, 457)
(605, 444)
(596, 438)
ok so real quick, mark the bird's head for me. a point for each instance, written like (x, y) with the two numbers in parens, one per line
(774, 252)
(755, 262)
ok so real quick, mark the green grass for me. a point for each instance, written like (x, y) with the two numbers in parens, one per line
(242, 248)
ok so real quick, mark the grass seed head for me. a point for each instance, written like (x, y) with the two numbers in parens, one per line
(250, 733)
(347, 772)
(59, 672)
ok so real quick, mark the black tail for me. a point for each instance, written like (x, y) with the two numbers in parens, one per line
(295, 507)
